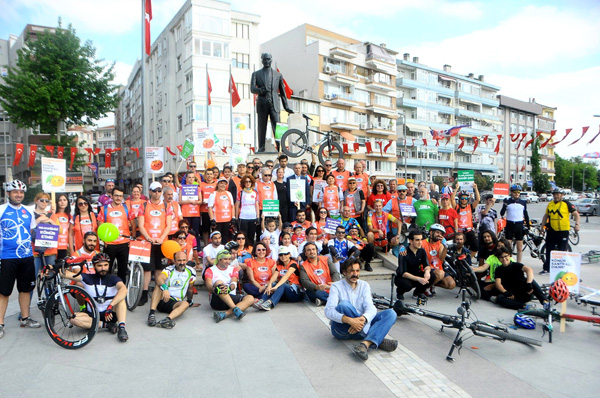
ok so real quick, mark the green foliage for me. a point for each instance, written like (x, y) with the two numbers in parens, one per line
(541, 183)
(484, 183)
(67, 141)
(569, 173)
(535, 158)
(58, 80)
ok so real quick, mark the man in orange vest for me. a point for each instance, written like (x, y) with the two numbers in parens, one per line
(154, 221)
(266, 187)
(465, 212)
(341, 174)
(317, 274)
(207, 188)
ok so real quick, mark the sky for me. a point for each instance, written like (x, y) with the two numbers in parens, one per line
(543, 49)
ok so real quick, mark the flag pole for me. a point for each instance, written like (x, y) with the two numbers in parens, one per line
(231, 104)
(254, 113)
(143, 124)
(207, 96)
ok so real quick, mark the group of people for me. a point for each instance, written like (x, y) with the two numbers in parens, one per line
(246, 258)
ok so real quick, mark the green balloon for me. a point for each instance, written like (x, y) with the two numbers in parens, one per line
(108, 232)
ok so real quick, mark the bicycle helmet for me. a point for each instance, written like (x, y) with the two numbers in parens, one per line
(559, 291)
(463, 193)
(230, 246)
(16, 185)
(437, 227)
(524, 321)
(515, 187)
(100, 257)
(557, 190)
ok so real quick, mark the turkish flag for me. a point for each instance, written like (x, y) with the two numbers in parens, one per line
(523, 168)
(73, 155)
(498, 144)
(50, 149)
(528, 143)
(485, 138)
(387, 146)
(97, 151)
(345, 147)
(368, 147)
(596, 136)
(90, 152)
(18, 154)
(107, 157)
(224, 149)
(61, 152)
(171, 152)
(424, 142)
(476, 140)
(136, 150)
(356, 147)
(32, 152)
(147, 19)
(552, 133)
(380, 147)
(209, 87)
(585, 129)
(566, 135)
(180, 147)
(514, 137)
(288, 90)
(462, 143)
(235, 96)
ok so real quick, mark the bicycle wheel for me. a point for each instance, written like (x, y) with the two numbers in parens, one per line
(504, 335)
(294, 143)
(135, 281)
(470, 282)
(330, 151)
(573, 236)
(543, 251)
(58, 317)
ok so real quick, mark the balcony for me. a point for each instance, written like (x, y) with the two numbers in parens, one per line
(343, 52)
(342, 125)
(486, 100)
(383, 110)
(382, 66)
(342, 99)
(381, 87)
(409, 83)
(378, 129)
(549, 157)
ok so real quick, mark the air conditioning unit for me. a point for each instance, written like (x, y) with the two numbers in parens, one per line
(328, 69)
(363, 126)
(328, 97)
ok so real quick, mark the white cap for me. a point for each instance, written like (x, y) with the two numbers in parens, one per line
(155, 185)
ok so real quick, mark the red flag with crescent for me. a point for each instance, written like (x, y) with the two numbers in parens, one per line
(18, 154)
(50, 149)
(107, 157)
(462, 143)
(73, 155)
(136, 150)
(32, 152)
(585, 129)
(61, 152)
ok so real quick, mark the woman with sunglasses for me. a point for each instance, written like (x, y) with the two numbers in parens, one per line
(191, 240)
(84, 220)
(261, 271)
(244, 251)
(316, 189)
(332, 197)
(189, 249)
(288, 286)
(42, 216)
(247, 208)
(62, 218)
(379, 192)
(281, 187)
(322, 215)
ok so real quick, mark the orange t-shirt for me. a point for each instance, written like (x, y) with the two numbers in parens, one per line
(331, 199)
(283, 269)
(433, 251)
(262, 271)
(117, 216)
(266, 191)
(62, 219)
(155, 218)
(362, 182)
(341, 178)
(222, 206)
(207, 189)
(81, 226)
(318, 273)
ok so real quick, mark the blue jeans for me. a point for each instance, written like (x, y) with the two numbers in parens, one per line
(317, 294)
(288, 292)
(251, 289)
(380, 325)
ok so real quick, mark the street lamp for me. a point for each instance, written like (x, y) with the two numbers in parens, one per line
(403, 116)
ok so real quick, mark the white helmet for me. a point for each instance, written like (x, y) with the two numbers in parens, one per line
(16, 184)
(437, 227)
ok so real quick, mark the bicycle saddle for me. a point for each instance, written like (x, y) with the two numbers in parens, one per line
(304, 115)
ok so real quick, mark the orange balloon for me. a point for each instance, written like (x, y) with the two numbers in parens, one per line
(169, 248)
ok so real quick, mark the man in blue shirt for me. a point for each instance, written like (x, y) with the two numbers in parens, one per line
(353, 315)
(16, 225)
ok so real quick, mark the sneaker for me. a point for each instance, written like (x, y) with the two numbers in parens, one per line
(318, 302)
(1, 331)
(258, 304)
(544, 272)
(122, 335)
(151, 319)
(494, 299)
(239, 314)
(166, 323)
(361, 351)
(368, 267)
(266, 305)
(112, 327)
(432, 291)
(388, 345)
(29, 323)
(218, 316)
(143, 299)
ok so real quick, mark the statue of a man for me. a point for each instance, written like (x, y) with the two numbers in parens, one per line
(268, 84)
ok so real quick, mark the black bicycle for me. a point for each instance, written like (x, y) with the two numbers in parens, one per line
(294, 143)
(456, 265)
(59, 304)
(462, 322)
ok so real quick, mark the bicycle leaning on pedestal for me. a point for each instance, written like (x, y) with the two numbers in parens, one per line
(294, 143)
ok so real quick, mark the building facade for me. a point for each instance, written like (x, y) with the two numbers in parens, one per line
(439, 99)
(354, 84)
(546, 122)
(518, 117)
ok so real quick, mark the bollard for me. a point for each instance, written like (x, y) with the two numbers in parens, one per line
(587, 218)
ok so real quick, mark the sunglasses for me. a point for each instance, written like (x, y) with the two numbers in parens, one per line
(261, 250)
(328, 165)
(44, 200)
(82, 204)
(157, 190)
(192, 167)
(240, 238)
(110, 180)
(320, 171)
(181, 237)
(167, 181)
(322, 212)
(267, 175)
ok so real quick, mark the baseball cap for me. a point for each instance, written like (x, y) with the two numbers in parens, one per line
(222, 179)
(215, 233)
(351, 179)
(155, 185)
(286, 225)
(445, 196)
(284, 250)
(402, 188)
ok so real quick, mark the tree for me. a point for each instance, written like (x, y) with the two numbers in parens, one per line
(541, 182)
(569, 173)
(484, 183)
(57, 80)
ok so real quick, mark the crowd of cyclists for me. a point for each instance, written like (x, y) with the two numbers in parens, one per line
(248, 259)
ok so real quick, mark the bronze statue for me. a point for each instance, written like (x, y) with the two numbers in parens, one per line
(268, 84)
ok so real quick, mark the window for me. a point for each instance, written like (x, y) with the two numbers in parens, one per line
(383, 100)
(521, 116)
(179, 122)
(513, 128)
(240, 60)
(513, 115)
(189, 81)
(178, 63)
(209, 48)
(529, 119)
(362, 96)
(211, 20)
(165, 103)
(179, 92)
(178, 34)
(334, 65)
(243, 90)
(189, 113)
(242, 31)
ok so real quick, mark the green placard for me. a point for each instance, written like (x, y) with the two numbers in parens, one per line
(188, 149)
(280, 130)
(466, 175)
(270, 208)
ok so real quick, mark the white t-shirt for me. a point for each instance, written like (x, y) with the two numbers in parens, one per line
(274, 241)
(247, 202)
(211, 252)
(293, 250)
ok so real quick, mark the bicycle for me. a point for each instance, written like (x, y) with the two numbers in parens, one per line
(135, 274)
(593, 256)
(294, 143)
(461, 322)
(59, 303)
(573, 236)
(550, 314)
(457, 266)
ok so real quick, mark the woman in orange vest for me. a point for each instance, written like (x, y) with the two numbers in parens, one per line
(322, 215)
(41, 201)
(261, 271)
(62, 217)
(221, 210)
(332, 197)
(84, 220)
(317, 274)
(191, 240)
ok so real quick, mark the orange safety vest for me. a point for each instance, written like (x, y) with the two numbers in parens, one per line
(80, 227)
(465, 218)
(262, 271)
(362, 182)
(266, 191)
(350, 202)
(155, 218)
(223, 207)
(282, 269)
(318, 273)
(134, 207)
(331, 198)
(175, 207)
(433, 251)
(189, 210)
(341, 178)
(62, 219)
(118, 217)
(207, 189)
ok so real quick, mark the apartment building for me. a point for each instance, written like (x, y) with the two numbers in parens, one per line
(518, 117)
(545, 123)
(352, 81)
(203, 35)
(430, 98)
